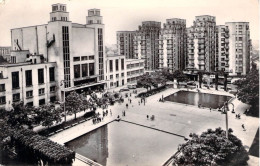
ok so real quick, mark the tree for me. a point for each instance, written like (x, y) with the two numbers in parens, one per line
(216, 81)
(85, 103)
(225, 81)
(248, 90)
(46, 115)
(19, 115)
(212, 148)
(200, 78)
(73, 103)
(180, 76)
(145, 81)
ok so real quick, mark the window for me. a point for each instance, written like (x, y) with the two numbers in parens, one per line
(111, 84)
(122, 64)
(91, 57)
(41, 91)
(2, 87)
(91, 69)
(29, 94)
(52, 89)
(75, 59)
(76, 71)
(117, 75)
(116, 64)
(42, 102)
(28, 77)
(111, 65)
(29, 104)
(66, 55)
(122, 74)
(111, 76)
(16, 97)
(2, 100)
(15, 80)
(83, 58)
(52, 74)
(52, 99)
(40, 76)
(84, 70)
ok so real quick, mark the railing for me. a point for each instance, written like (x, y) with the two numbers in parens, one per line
(86, 160)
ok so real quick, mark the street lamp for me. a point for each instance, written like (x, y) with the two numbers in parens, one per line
(226, 112)
(63, 85)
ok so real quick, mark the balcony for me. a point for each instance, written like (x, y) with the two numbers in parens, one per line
(201, 58)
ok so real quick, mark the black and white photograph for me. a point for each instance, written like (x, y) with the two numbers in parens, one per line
(129, 82)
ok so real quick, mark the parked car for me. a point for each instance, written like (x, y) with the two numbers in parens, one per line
(131, 86)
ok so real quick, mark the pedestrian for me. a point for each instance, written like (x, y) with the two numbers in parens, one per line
(147, 116)
(126, 105)
(243, 126)
(139, 102)
(130, 101)
(210, 109)
(236, 116)
(110, 112)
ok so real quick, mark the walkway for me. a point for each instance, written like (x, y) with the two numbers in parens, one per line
(172, 117)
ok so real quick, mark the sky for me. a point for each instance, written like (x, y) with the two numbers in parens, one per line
(120, 15)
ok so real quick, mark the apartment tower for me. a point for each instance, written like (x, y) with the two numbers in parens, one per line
(240, 45)
(173, 45)
(202, 44)
(125, 43)
(146, 44)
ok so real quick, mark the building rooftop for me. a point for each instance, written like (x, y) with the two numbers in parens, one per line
(23, 64)
(237, 22)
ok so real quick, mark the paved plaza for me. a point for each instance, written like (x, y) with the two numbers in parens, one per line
(172, 117)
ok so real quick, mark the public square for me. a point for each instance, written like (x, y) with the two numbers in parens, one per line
(176, 118)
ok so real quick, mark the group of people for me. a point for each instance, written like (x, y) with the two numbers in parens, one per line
(98, 119)
(152, 117)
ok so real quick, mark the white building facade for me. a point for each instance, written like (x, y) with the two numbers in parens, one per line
(77, 49)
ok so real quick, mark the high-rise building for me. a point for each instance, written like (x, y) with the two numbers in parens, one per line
(125, 43)
(173, 45)
(146, 44)
(202, 44)
(222, 49)
(240, 45)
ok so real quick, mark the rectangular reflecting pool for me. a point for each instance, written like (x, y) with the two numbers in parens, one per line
(122, 143)
(194, 98)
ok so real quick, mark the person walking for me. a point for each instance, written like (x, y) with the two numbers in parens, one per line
(147, 116)
(243, 126)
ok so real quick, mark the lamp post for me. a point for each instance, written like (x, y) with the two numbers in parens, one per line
(64, 109)
(226, 111)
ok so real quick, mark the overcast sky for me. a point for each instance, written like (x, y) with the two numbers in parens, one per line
(121, 15)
